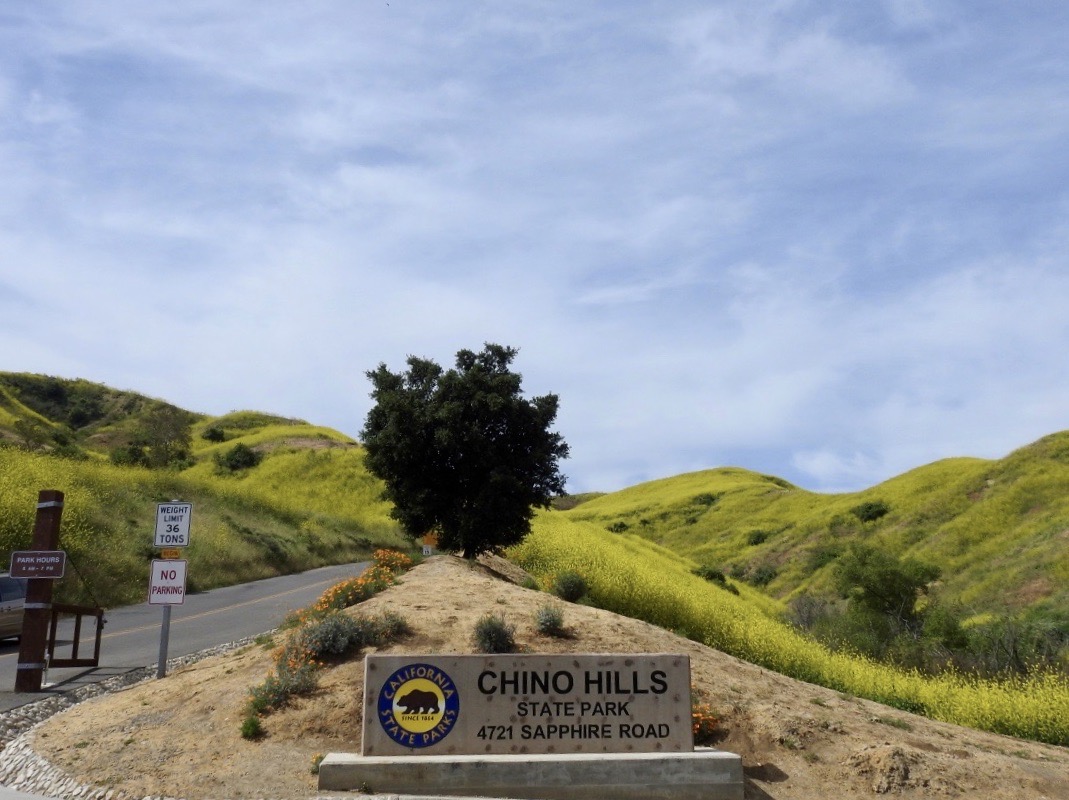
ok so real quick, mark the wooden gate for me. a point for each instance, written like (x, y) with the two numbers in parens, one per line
(74, 660)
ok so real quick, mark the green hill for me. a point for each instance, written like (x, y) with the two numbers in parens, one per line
(633, 577)
(274, 495)
(308, 502)
(998, 530)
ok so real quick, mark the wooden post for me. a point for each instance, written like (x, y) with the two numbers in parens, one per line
(35, 621)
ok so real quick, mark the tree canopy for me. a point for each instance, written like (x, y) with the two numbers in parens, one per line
(461, 451)
(878, 581)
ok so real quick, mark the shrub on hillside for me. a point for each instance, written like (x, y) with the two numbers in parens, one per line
(570, 586)
(754, 538)
(711, 574)
(762, 575)
(338, 634)
(309, 647)
(494, 635)
(822, 555)
(804, 611)
(549, 620)
(251, 727)
(238, 457)
(715, 576)
(323, 633)
(129, 455)
(870, 511)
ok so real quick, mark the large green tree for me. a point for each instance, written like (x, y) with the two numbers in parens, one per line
(461, 451)
(876, 580)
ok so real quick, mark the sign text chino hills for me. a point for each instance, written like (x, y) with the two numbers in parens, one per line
(526, 704)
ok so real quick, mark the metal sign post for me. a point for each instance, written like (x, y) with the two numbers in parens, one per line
(167, 581)
(165, 638)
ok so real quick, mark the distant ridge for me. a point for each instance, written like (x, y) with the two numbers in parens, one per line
(998, 529)
(299, 496)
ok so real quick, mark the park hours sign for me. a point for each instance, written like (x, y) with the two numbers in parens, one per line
(172, 524)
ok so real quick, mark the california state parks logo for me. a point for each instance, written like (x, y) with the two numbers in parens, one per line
(418, 705)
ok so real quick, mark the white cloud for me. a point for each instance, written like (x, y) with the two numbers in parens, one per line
(762, 43)
(826, 244)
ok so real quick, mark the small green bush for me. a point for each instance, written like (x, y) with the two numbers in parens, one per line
(570, 586)
(277, 688)
(822, 555)
(319, 638)
(337, 634)
(238, 457)
(549, 620)
(494, 635)
(390, 627)
(251, 727)
(870, 511)
(757, 537)
(711, 574)
(762, 575)
(715, 576)
(332, 635)
(618, 527)
(214, 434)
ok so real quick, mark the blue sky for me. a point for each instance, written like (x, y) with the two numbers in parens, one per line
(822, 241)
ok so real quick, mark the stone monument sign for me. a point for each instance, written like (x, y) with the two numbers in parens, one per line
(526, 704)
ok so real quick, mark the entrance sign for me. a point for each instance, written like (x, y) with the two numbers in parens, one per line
(167, 583)
(523, 704)
(172, 524)
(38, 564)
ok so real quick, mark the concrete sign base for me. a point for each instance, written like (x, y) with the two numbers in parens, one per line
(704, 773)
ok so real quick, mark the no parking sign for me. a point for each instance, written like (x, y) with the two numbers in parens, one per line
(167, 583)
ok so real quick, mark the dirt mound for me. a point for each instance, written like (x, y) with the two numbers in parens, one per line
(888, 766)
(180, 737)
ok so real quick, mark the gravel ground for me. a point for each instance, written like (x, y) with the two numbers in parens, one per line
(25, 771)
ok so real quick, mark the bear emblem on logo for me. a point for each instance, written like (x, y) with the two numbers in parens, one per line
(419, 701)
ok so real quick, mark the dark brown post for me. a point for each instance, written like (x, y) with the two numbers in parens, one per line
(38, 596)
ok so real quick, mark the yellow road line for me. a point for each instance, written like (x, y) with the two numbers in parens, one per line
(177, 620)
(205, 613)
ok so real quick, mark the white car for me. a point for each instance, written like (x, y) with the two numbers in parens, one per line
(12, 600)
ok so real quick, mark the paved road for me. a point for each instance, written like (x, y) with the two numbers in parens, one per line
(131, 638)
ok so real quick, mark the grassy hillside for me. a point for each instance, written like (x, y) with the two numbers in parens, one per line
(631, 577)
(299, 497)
(307, 503)
(998, 530)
